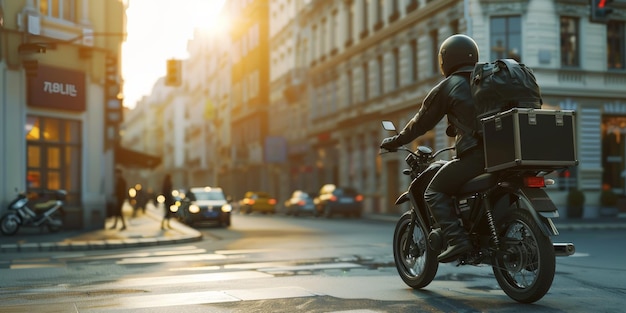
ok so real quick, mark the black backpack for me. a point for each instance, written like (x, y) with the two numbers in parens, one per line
(501, 85)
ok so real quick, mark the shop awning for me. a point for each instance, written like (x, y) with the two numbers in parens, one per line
(131, 158)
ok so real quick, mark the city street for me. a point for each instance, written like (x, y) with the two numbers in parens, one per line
(275, 263)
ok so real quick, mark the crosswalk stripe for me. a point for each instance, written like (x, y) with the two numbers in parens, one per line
(187, 279)
(205, 297)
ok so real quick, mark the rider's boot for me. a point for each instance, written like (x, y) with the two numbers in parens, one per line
(456, 239)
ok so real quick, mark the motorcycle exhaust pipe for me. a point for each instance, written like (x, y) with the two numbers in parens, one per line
(563, 249)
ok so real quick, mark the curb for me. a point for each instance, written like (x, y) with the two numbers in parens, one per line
(188, 235)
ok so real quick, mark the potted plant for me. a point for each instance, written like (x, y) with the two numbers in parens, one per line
(575, 203)
(608, 202)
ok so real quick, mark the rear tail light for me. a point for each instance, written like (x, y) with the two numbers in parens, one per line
(301, 203)
(359, 198)
(534, 182)
(333, 198)
(272, 201)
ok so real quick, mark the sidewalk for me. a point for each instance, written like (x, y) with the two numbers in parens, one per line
(143, 230)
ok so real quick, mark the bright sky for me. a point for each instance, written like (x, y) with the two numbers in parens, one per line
(159, 30)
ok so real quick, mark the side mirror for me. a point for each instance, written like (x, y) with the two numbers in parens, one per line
(388, 125)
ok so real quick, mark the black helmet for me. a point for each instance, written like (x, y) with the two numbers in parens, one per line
(456, 51)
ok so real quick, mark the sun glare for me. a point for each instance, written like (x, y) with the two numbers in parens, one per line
(159, 30)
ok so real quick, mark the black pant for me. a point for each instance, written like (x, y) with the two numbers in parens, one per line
(449, 180)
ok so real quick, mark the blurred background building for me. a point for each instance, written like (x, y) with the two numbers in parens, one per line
(310, 82)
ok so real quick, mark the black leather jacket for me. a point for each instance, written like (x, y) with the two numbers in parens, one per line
(451, 96)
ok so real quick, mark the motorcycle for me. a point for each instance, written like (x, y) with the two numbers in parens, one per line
(507, 214)
(45, 214)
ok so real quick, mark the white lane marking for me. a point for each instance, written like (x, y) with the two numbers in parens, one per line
(194, 278)
(246, 251)
(204, 297)
(172, 258)
(311, 267)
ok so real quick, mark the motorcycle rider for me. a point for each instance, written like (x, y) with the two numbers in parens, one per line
(452, 98)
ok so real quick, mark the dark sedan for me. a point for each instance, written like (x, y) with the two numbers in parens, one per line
(300, 203)
(338, 200)
(205, 204)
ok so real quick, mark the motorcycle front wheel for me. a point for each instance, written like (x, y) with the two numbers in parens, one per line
(525, 267)
(418, 264)
(10, 224)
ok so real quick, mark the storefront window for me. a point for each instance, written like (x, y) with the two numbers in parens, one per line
(613, 152)
(54, 158)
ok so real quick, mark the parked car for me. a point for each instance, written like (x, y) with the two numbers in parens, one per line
(205, 204)
(257, 201)
(338, 200)
(300, 203)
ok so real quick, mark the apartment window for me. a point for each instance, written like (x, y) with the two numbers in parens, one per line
(314, 44)
(380, 8)
(323, 38)
(54, 161)
(364, 26)
(615, 46)
(396, 68)
(61, 9)
(413, 60)
(349, 79)
(350, 23)
(380, 76)
(434, 40)
(506, 37)
(334, 30)
(365, 81)
(570, 52)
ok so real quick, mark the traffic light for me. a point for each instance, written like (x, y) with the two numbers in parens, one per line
(113, 110)
(174, 75)
(600, 11)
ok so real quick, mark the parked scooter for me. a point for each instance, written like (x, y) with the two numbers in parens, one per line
(45, 214)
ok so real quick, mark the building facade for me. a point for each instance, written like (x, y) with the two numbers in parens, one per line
(60, 83)
(312, 80)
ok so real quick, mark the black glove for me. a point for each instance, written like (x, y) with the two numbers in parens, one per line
(389, 143)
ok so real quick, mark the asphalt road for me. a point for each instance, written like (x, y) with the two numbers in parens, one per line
(267, 263)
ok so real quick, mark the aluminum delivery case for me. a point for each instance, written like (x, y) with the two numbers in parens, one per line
(529, 139)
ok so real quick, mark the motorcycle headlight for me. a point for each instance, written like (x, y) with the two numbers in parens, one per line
(226, 208)
(174, 208)
(194, 209)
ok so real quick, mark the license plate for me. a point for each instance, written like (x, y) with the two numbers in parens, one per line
(211, 213)
(346, 200)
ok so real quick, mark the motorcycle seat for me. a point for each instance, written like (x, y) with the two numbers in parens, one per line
(45, 205)
(479, 183)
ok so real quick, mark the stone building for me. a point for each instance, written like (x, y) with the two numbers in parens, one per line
(60, 109)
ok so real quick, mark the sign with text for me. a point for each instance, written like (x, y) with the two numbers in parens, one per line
(57, 88)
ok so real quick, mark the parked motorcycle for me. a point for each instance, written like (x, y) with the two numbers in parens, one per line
(45, 214)
(507, 214)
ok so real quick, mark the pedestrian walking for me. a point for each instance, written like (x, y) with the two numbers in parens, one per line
(120, 197)
(169, 201)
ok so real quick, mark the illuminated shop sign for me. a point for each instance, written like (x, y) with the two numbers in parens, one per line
(57, 88)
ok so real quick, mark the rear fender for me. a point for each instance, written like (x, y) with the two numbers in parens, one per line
(541, 207)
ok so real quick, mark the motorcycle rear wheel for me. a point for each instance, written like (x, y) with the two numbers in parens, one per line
(527, 271)
(10, 224)
(419, 265)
